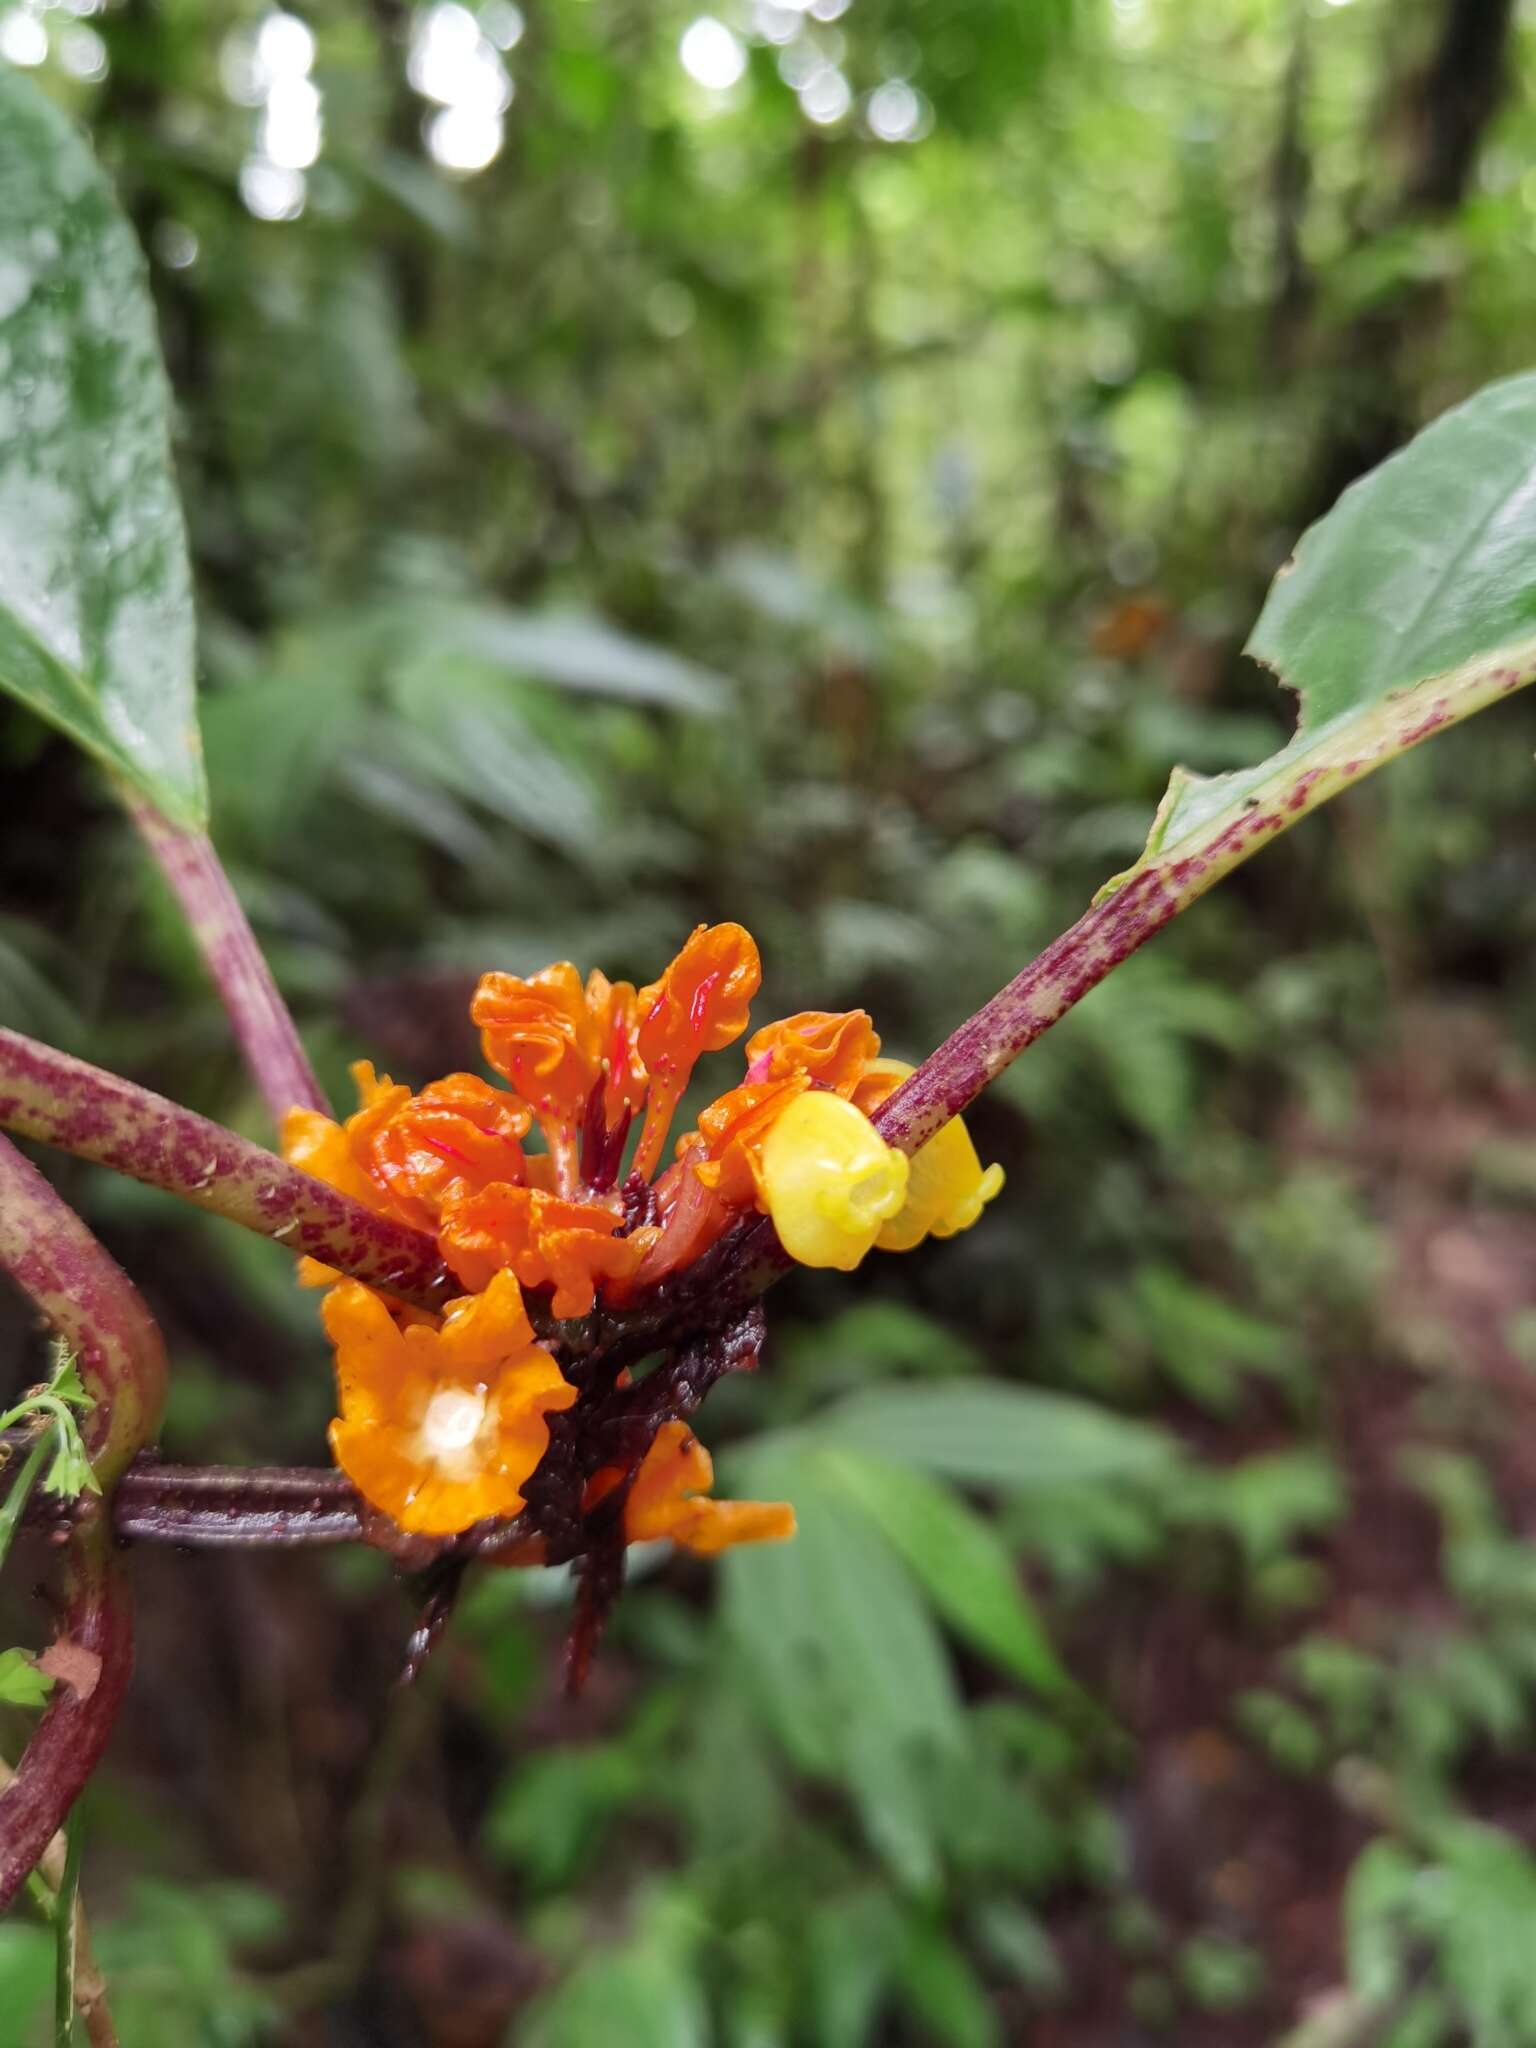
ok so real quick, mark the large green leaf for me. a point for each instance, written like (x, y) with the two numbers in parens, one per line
(959, 1559)
(842, 1656)
(1409, 607)
(984, 1433)
(95, 594)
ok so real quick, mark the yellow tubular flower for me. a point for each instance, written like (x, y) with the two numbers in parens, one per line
(830, 1180)
(947, 1189)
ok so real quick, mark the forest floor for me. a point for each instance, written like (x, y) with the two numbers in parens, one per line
(1220, 1836)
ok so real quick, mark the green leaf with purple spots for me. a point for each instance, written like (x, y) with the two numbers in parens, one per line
(95, 592)
(1406, 609)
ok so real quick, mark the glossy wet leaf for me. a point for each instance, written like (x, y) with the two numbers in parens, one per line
(95, 596)
(1409, 607)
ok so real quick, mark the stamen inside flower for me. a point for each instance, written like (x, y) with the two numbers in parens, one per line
(454, 1418)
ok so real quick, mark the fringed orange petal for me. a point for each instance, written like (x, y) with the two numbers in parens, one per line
(455, 1136)
(540, 1034)
(544, 1239)
(374, 1368)
(316, 1145)
(700, 1004)
(702, 1001)
(830, 1046)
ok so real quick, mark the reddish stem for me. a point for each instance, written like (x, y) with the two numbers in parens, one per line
(93, 1305)
(951, 1078)
(266, 1030)
(68, 1741)
(61, 1101)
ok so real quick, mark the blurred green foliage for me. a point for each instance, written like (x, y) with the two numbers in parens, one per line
(705, 510)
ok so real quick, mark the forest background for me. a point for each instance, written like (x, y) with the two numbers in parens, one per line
(816, 467)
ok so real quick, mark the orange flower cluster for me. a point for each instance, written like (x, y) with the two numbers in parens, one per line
(443, 1420)
(583, 1059)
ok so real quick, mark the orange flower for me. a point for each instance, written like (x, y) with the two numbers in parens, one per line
(408, 1155)
(457, 1135)
(700, 1004)
(541, 1035)
(332, 1152)
(615, 1024)
(441, 1426)
(558, 1042)
(666, 1501)
(735, 1128)
(832, 1047)
(544, 1239)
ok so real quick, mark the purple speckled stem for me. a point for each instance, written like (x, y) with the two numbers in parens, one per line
(263, 1025)
(93, 1306)
(224, 1506)
(951, 1078)
(96, 1309)
(61, 1101)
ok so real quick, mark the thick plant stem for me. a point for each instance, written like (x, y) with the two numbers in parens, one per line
(951, 1078)
(67, 1744)
(266, 1030)
(96, 1309)
(61, 1101)
(92, 1304)
(226, 1507)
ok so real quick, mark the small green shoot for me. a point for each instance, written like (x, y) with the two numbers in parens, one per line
(59, 1403)
(21, 1683)
(56, 1460)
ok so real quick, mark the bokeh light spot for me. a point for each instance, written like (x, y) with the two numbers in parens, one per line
(826, 98)
(711, 54)
(271, 191)
(466, 137)
(895, 111)
(23, 39)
